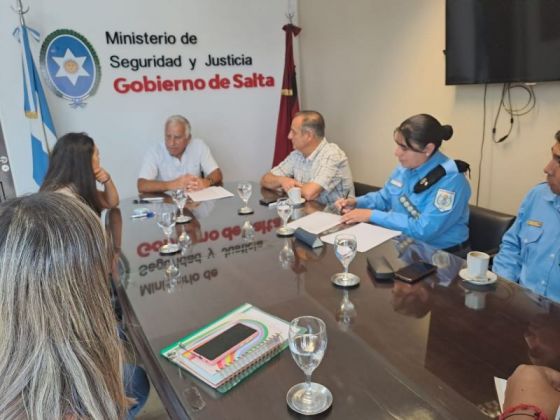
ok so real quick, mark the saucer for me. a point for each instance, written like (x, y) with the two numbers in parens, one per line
(297, 203)
(490, 278)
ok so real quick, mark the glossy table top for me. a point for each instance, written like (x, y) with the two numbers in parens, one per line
(428, 350)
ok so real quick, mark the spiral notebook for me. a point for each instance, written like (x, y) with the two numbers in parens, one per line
(263, 336)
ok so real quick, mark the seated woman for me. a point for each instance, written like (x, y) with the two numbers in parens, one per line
(74, 169)
(60, 355)
(426, 196)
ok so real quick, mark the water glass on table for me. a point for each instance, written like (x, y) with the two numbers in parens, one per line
(284, 209)
(180, 198)
(308, 342)
(244, 189)
(165, 219)
(345, 248)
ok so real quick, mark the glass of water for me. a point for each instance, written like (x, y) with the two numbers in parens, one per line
(180, 198)
(308, 342)
(345, 248)
(284, 208)
(165, 219)
(244, 190)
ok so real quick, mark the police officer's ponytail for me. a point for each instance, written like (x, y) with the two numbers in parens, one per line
(420, 130)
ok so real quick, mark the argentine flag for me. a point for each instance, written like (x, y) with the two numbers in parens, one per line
(35, 107)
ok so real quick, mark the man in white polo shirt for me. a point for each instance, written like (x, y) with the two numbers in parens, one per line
(179, 162)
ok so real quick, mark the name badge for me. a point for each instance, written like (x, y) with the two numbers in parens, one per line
(396, 183)
(534, 223)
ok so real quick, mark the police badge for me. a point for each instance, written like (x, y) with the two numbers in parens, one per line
(70, 65)
(444, 200)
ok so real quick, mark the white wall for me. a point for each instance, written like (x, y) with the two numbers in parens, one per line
(369, 64)
(238, 124)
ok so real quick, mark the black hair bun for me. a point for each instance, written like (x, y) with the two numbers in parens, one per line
(446, 132)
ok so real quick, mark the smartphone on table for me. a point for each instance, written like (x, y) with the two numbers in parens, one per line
(415, 271)
(229, 340)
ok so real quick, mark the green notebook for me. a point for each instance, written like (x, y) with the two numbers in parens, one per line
(251, 338)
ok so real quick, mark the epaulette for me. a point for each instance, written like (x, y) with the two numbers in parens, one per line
(439, 172)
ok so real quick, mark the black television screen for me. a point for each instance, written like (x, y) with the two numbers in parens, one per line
(498, 41)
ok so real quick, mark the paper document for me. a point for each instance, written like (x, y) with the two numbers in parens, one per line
(316, 222)
(210, 193)
(367, 235)
(500, 390)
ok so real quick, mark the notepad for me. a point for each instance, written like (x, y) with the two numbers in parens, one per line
(231, 368)
(210, 193)
(367, 235)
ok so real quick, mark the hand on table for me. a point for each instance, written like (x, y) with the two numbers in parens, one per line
(289, 183)
(344, 205)
(356, 216)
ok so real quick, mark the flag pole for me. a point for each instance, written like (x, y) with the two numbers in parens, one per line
(20, 11)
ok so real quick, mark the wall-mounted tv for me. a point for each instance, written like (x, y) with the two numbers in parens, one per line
(499, 41)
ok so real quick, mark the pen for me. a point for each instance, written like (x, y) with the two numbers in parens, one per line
(142, 215)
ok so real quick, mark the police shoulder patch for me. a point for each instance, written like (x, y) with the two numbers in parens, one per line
(444, 200)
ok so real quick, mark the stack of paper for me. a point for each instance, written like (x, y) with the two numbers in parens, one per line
(210, 193)
(367, 235)
(317, 222)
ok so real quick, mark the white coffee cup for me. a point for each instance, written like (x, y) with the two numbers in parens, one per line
(477, 265)
(295, 195)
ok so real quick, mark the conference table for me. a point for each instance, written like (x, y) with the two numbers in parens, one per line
(429, 350)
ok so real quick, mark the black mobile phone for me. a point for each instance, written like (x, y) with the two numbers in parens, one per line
(228, 340)
(265, 201)
(415, 271)
(380, 268)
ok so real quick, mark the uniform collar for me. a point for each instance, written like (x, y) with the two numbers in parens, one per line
(551, 197)
(315, 152)
(434, 160)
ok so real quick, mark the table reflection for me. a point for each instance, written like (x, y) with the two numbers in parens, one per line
(431, 348)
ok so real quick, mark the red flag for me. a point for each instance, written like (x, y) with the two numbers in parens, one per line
(289, 104)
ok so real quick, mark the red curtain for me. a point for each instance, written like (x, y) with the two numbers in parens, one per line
(289, 104)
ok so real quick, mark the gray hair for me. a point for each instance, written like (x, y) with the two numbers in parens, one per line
(312, 121)
(179, 119)
(60, 355)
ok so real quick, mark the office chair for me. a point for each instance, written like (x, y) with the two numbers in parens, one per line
(486, 228)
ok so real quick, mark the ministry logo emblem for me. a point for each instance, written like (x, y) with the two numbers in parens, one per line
(70, 65)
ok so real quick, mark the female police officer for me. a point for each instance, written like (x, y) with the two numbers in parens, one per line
(426, 196)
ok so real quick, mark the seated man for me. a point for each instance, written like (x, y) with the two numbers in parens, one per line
(530, 250)
(179, 162)
(318, 167)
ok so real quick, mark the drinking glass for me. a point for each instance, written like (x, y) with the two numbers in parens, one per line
(247, 232)
(185, 241)
(284, 208)
(308, 341)
(180, 199)
(346, 312)
(165, 219)
(244, 190)
(286, 256)
(345, 247)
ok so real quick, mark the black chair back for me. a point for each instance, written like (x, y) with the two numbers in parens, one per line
(486, 228)
(363, 189)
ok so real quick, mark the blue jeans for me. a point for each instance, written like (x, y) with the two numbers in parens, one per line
(136, 386)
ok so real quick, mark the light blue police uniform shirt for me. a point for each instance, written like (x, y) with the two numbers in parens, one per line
(441, 213)
(530, 249)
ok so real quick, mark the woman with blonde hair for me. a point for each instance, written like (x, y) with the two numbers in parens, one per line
(60, 356)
